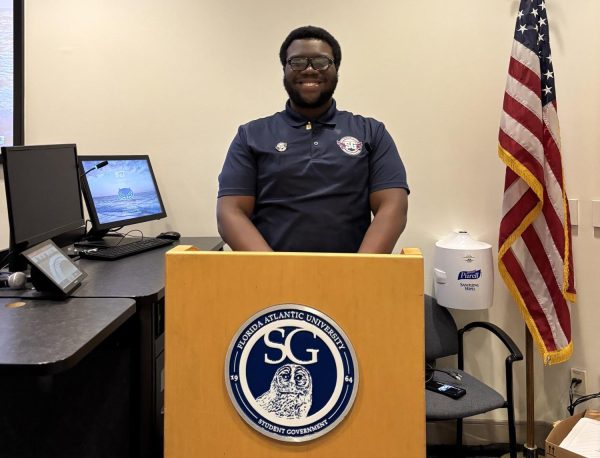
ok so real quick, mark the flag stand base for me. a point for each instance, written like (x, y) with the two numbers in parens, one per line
(529, 451)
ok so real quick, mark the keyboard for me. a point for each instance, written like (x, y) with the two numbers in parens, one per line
(126, 249)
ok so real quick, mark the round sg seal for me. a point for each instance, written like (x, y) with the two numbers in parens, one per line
(291, 373)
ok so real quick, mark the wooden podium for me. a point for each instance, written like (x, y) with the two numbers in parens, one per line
(376, 299)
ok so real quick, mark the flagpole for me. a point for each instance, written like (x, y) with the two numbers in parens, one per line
(529, 449)
(529, 145)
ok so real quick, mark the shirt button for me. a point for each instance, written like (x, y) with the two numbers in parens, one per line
(315, 143)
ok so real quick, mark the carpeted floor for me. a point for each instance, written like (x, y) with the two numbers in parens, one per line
(483, 451)
(440, 451)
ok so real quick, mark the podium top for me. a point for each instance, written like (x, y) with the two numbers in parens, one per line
(181, 249)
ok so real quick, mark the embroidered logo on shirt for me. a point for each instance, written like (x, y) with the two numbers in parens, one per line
(350, 145)
(281, 147)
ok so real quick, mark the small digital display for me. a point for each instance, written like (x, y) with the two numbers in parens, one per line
(55, 265)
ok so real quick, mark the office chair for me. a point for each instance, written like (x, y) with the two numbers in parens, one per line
(442, 338)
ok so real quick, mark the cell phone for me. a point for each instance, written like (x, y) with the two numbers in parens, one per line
(451, 391)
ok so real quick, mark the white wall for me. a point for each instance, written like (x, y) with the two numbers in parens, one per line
(175, 79)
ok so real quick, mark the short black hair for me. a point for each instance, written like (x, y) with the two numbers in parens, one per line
(310, 32)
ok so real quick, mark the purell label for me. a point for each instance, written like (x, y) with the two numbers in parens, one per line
(469, 275)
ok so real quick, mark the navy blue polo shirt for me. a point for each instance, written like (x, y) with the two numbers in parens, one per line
(312, 180)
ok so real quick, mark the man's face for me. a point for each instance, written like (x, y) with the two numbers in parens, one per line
(310, 88)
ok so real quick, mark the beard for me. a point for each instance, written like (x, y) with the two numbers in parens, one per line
(323, 98)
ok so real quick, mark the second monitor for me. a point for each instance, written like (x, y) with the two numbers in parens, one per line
(119, 191)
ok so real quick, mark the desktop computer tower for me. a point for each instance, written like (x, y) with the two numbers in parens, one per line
(150, 423)
(159, 373)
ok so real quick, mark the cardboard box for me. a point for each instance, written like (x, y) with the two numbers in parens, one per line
(560, 431)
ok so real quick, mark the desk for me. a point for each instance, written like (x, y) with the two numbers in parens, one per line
(47, 337)
(112, 292)
(142, 278)
(65, 377)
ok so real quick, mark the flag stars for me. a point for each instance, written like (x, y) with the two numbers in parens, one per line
(533, 25)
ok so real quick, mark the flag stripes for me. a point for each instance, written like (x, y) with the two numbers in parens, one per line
(534, 257)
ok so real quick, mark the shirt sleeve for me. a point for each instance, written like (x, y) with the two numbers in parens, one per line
(386, 169)
(238, 176)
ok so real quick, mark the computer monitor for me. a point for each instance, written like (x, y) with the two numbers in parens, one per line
(120, 193)
(42, 193)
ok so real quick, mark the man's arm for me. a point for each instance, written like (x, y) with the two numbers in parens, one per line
(389, 207)
(235, 227)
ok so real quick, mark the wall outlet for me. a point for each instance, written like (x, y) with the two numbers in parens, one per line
(581, 388)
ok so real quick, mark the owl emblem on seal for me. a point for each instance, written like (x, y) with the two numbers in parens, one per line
(290, 393)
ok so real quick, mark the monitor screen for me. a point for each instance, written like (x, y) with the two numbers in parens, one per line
(121, 192)
(42, 192)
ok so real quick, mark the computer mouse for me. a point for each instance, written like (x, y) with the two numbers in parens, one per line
(170, 235)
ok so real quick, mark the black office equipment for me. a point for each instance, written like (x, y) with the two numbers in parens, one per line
(43, 195)
(126, 249)
(170, 235)
(52, 270)
(120, 193)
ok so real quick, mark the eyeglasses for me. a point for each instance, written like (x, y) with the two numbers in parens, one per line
(299, 64)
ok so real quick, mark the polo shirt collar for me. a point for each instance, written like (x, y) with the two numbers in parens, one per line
(295, 119)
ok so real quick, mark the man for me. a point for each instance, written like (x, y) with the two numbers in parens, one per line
(309, 177)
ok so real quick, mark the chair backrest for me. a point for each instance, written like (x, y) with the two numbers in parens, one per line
(441, 334)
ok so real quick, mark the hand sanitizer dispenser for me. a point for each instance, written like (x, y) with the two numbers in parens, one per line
(463, 272)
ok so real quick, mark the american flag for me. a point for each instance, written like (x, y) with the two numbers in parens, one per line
(535, 255)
